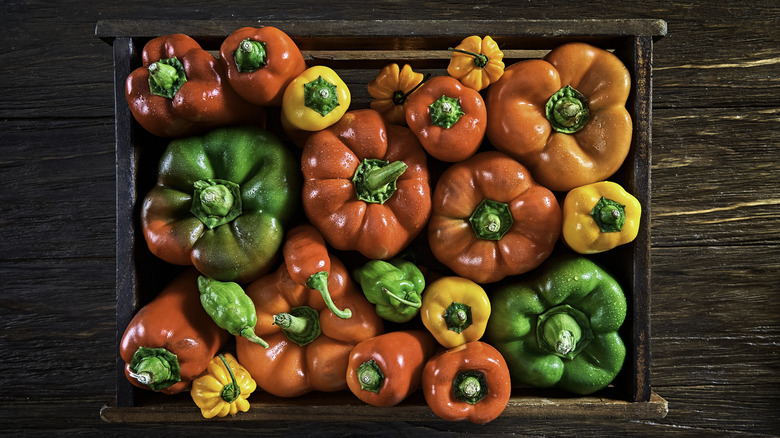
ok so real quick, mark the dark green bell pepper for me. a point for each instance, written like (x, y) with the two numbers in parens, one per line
(222, 201)
(394, 286)
(558, 327)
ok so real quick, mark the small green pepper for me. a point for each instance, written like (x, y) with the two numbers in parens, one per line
(230, 307)
(559, 326)
(394, 286)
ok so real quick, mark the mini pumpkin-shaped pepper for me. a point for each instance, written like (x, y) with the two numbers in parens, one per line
(476, 62)
(224, 388)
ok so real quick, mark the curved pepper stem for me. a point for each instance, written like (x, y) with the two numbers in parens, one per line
(470, 386)
(301, 324)
(445, 111)
(480, 60)
(166, 76)
(399, 97)
(609, 215)
(250, 56)
(375, 180)
(231, 391)
(320, 96)
(156, 368)
(319, 282)
(567, 110)
(491, 220)
(415, 304)
(370, 376)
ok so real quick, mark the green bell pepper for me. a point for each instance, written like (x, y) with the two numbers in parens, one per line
(222, 201)
(558, 327)
(394, 286)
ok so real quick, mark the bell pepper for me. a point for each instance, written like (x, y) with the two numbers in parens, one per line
(490, 219)
(394, 286)
(455, 310)
(182, 90)
(476, 62)
(224, 388)
(261, 63)
(564, 117)
(171, 340)
(386, 369)
(390, 90)
(448, 118)
(230, 307)
(468, 382)
(309, 345)
(600, 216)
(308, 263)
(366, 185)
(315, 99)
(221, 203)
(559, 326)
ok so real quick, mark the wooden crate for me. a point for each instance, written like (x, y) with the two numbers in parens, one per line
(357, 50)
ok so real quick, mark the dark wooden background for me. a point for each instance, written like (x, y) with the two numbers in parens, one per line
(715, 228)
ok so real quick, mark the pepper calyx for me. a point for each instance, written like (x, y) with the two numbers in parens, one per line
(567, 110)
(166, 76)
(609, 215)
(156, 368)
(491, 220)
(250, 55)
(445, 111)
(231, 391)
(370, 376)
(321, 96)
(216, 202)
(470, 386)
(375, 180)
(301, 325)
(457, 316)
(563, 331)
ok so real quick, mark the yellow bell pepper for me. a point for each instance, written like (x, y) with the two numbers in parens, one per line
(455, 310)
(599, 216)
(315, 99)
(224, 388)
(476, 62)
(389, 90)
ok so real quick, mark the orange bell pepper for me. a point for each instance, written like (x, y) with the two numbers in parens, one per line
(366, 185)
(308, 345)
(448, 118)
(563, 117)
(469, 382)
(490, 219)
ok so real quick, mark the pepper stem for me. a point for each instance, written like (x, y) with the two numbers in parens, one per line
(249, 333)
(470, 386)
(414, 304)
(216, 202)
(609, 215)
(370, 376)
(567, 110)
(563, 331)
(301, 324)
(231, 391)
(250, 55)
(457, 316)
(491, 220)
(479, 59)
(445, 111)
(319, 282)
(375, 180)
(156, 368)
(320, 96)
(166, 76)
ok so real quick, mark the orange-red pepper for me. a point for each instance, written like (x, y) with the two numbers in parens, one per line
(386, 369)
(490, 219)
(448, 118)
(563, 117)
(469, 382)
(182, 90)
(309, 345)
(171, 340)
(366, 185)
(261, 63)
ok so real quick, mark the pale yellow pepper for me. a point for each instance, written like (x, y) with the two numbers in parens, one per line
(455, 310)
(600, 216)
(315, 99)
(224, 388)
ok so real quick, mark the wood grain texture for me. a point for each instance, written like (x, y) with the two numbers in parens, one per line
(714, 219)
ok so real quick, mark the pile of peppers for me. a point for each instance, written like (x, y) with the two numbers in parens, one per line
(436, 239)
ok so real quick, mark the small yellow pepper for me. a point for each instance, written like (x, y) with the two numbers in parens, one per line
(476, 62)
(455, 310)
(315, 99)
(599, 216)
(224, 388)
(390, 88)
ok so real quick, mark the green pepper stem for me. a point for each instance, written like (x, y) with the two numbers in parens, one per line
(491, 220)
(563, 331)
(445, 111)
(231, 391)
(609, 215)
(216, 202)
(375, 180)
(457, 317)
(249, 333)
(480, 60)
(567, 110)
(414, 304)
(162, 74)
(379, 177)
(470, 386)
(301, 324)
(156, 368)
(166, 76)
(319, 282)
(370, 376)
(321, 96)
(250, 55)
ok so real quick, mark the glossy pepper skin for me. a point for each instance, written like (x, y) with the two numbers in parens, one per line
(585, 136)
(171, 340)
(308, 263)
(448, 118)
(455, 310)
(224, 388)
(490, 219)
(390, 90)
(203, 100)
(476, 62)
(221, 203)
(230, 307)
(315, 99)
(386, 369)
(470, 382)
(287, 368)
(600, 216)
(260, 63)
(366, 185)
(394, 286)
(559, 326)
